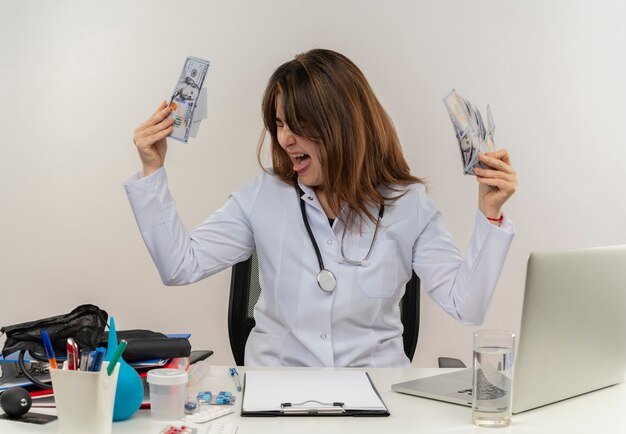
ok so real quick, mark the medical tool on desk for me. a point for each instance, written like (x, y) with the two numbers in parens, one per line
(16, 403)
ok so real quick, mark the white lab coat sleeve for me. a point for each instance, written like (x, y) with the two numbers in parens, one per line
(183, 257)
(463, 287)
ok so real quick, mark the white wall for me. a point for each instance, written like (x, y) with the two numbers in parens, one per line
(77, 77)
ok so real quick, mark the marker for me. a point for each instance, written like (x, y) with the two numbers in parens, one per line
(72, 355)
(116, 356)
(98, 357)
(49, 351)
(235, 375)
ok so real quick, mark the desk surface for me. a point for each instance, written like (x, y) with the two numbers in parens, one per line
(596, 412)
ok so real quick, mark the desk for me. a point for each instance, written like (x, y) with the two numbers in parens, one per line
(597, 412)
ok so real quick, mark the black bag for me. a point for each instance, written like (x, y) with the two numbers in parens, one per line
(148, 345)
(85, 325)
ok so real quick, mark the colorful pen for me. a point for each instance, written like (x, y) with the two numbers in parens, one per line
(98, 358)
(116, 356)
(235, 375)
(49, 351)
(72, 355)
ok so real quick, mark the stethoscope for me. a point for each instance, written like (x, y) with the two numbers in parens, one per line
(325, 278)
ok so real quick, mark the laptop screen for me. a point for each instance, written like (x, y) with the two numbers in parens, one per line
(572, 338)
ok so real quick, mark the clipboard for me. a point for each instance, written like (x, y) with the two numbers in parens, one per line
(310, 392)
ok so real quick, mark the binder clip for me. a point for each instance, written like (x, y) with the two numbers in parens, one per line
(306, 407)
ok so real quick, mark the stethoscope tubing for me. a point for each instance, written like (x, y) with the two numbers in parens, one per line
(325, 278)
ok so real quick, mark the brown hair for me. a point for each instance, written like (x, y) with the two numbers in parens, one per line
(327, 99)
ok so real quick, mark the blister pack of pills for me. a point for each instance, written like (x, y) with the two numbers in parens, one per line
(171, 429)
(222, 398)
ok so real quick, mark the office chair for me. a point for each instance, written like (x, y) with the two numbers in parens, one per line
(245, 289)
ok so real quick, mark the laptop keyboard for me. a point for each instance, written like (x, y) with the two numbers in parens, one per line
(486, 390)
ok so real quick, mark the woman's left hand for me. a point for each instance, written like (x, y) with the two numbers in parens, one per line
(497, 183)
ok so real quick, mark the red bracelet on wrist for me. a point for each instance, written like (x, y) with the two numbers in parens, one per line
(499, 219)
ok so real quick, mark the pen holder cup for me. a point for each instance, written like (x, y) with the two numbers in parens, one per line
(84, 400)
(168, 389)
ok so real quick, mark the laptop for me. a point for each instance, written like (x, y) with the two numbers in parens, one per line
(572, 338)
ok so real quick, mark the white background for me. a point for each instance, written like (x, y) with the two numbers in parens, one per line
(76, 77)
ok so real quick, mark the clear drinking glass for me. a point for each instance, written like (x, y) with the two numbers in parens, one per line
(493, 378)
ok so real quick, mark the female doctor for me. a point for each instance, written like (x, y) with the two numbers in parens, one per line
(338, 224)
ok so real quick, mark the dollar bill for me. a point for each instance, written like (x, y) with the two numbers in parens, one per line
(185, 96)
(473, 138)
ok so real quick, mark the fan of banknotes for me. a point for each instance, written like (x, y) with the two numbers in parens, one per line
(186, 96)
(471, 134)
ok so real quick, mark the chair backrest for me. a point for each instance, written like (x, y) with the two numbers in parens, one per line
(245, 289)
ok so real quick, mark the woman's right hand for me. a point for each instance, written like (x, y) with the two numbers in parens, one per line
(150, 138)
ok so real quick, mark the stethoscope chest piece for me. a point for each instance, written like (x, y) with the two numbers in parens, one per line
(326, 280)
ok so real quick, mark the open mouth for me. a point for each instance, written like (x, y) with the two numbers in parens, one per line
(301, 162)
(301, 157)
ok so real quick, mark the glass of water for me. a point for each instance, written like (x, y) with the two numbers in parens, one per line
(493, 378)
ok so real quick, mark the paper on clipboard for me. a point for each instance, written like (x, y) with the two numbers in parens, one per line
(268, 390)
